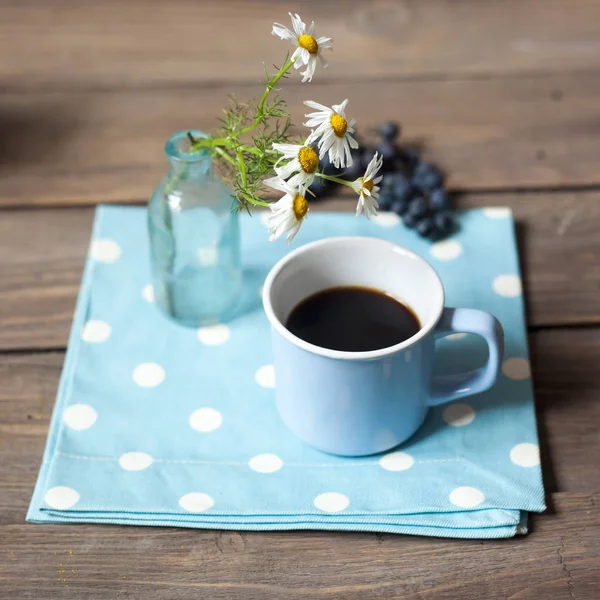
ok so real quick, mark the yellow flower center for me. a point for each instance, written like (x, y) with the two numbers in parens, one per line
(308, 159)
(339, 125)
(300, 207)
(309, 43)
(368, 185)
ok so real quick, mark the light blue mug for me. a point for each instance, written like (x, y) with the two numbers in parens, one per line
(360, 403)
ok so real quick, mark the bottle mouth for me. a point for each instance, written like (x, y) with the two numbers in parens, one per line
(179, 144)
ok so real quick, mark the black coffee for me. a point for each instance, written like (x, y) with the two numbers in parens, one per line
(352, 319)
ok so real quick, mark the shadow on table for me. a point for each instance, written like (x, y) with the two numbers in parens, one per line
(31, 135)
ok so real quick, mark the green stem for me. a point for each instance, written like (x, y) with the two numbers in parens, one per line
(217, 144)
(270, 85)
(255, 201)
(226, 156)
(242, 167)
(335, 179)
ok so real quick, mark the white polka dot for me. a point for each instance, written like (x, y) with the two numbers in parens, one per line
(148, 293)
(196, 502)
(148, 375)
(525, 455)
(497, 212)
(453, 337)
(516, 368)
(205, 420)
(459, 415)
(446, 250)
(396, 461)
(331, 502)
(466, 497)
(135, 461)
(61, 497)
(386, 219)
(265, 376)
(95, 332)
(207, 257)
(105, 250)
(507, 285)
(80, 416)
(214, 335)
(265, 463)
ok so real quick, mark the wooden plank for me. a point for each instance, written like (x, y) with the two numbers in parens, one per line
(66, 43)
(42, 255)
(559, 559)
(107, 146)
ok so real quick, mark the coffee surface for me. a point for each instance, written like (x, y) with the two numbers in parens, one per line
(352, 319)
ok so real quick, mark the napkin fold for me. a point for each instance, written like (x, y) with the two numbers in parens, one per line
(158, 424)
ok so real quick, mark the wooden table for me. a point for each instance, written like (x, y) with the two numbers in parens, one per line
(504, 94)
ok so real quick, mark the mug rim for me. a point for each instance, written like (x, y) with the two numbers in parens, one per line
(343, 354)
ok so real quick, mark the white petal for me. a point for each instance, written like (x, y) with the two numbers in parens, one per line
(299, 26)
(311, 29)
(277, 184)
(353, 143)
(324, 40)
(283, 32)
(340, 108)
(288, 170)
(317, 106)
(297, 53)
(302, 179)
(289, 150)
(324, 63)
(293, 231)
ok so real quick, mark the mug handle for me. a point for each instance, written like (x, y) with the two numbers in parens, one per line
(446, 388)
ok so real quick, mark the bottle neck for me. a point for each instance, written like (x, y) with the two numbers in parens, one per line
(184, 163)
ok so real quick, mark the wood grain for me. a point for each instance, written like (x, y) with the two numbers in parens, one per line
(68, 147)
(557, 559)
(145, 43)
(42, 255)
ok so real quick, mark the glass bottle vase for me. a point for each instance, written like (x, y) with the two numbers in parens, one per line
(194, 239)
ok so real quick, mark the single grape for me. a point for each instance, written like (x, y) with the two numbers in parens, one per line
(402, 186)
(425, 226)
(427, 176)
(444, 222)
(399, 206)
(438, 199)
(386, 199)
(410, 220)
(435, 234)
(418, 207)
(388, 182)
(389, 130)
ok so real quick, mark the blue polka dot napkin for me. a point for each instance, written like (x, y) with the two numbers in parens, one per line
(157, 424)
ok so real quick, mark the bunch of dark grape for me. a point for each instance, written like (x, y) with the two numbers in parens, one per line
(411, 188)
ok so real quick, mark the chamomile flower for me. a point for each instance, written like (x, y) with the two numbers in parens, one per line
(308, 48)
(333, 132)
(367, 189)
(288, 212)
(304, 164)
